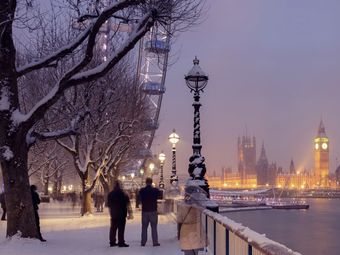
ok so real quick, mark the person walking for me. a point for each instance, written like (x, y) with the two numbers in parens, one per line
(120, 207)
(36, 202)
(3, 205)
(100, 202)
(148, 197)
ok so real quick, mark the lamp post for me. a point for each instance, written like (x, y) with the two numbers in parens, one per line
(174, 139)
(161, 158)
(197, 80)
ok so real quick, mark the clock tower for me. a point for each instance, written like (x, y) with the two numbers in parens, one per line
(321, 157)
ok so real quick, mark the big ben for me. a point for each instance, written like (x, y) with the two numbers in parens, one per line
(321, 157)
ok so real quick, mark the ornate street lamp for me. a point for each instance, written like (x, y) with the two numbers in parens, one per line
(174, 139)
(197, 80)
(161, 158)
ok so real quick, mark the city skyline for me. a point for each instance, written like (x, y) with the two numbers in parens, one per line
(272, 67)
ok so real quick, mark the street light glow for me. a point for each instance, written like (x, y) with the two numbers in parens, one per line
(161, 157)
(173, 137)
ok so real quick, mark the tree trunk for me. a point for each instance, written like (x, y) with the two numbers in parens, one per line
(13, 145)
(18, 196)
(86, 207)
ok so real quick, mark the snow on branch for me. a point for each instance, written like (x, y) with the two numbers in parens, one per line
(70, 149)
(72, 78)
(140, 30)
(32, 136)
(45, 136)
(4, 99)
(56, 56)
(69, 49)
(6, 153)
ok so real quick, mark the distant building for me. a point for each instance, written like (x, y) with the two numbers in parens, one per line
(321, 157)
(292, 167)
(266, 173)
(252, 174)
(337, 176)
(246, 147)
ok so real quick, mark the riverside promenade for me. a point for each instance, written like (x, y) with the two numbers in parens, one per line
(68, 233)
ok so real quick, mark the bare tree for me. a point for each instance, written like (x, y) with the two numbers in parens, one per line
(117, 110)
(17, 125)
(46, 165)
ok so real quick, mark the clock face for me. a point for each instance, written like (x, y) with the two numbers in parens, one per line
(324, 146)
(316, 146)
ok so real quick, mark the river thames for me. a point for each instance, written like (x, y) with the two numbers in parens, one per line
(315, 231)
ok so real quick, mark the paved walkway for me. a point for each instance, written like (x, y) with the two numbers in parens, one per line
(67, 233)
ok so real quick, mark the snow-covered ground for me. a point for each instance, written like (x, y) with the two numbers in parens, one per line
(67, 233)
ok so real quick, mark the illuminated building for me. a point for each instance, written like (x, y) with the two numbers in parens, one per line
(269, 175)
(246, 155)
(337, 176)
(292, 167)
(266, 173)
(321, 157)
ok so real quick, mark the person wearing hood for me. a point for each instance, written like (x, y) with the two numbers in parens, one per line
(191, 235)
(36, 202)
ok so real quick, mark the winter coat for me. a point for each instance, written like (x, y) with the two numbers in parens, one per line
(2, 201)
(35, 200)
(192, 236)
(148, 197)
(119, 203)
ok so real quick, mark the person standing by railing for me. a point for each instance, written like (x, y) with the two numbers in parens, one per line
(192, 236)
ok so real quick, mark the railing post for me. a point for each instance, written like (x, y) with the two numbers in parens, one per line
(206, 229)
(226, 241)
(214, 237)
(250, 249)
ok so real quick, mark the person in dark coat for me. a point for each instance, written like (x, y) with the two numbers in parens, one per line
(120, 207)
(36, 202)
(3, 206)
(148, 196)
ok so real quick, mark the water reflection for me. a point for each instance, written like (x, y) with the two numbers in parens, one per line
(310, 232)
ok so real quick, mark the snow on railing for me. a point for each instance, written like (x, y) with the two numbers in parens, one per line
(226, 237)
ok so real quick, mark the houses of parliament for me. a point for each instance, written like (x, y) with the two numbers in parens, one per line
(259, 173)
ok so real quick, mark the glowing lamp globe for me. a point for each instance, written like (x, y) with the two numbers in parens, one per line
(173, 137)
(196, 79)
(161, 157)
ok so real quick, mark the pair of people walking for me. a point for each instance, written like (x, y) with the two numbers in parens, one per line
(120, 209)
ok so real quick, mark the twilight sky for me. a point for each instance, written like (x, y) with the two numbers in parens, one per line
(274, 66)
